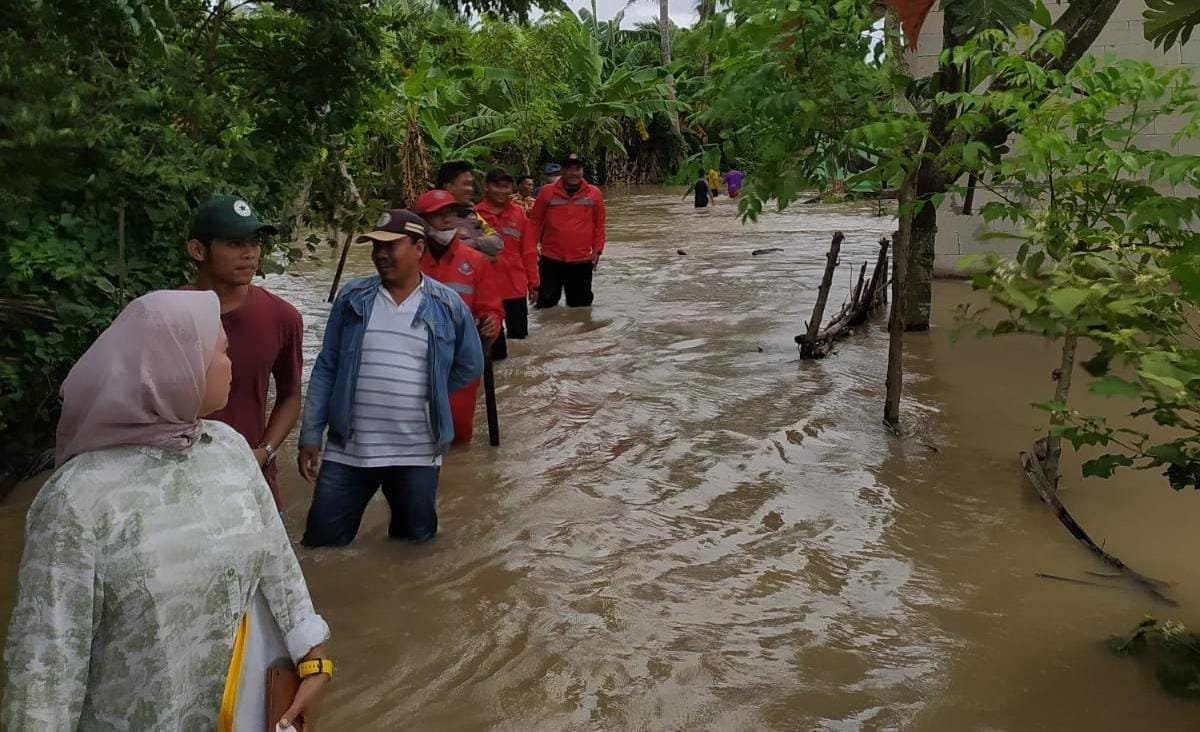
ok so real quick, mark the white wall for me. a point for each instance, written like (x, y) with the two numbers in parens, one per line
(960, 235)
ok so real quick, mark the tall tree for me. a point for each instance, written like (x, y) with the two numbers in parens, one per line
(705, 10)
(664, 46)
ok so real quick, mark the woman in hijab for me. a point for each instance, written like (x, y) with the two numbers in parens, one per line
(149, 548)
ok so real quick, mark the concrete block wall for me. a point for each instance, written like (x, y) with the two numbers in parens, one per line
(960, 235)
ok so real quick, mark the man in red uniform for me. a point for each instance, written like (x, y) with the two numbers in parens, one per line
(265, 332)
(516, 269)
(467, 272)
(568, 220)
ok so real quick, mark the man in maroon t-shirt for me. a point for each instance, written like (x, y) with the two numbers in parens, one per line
(265, 332)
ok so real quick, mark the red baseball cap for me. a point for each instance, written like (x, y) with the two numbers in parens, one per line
(435, 200)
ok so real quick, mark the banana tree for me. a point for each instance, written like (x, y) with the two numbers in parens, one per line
(516, 105)
(603, 98)
(452, 141)
(397, 129)
(414, 130)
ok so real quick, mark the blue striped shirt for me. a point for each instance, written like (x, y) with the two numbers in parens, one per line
(390, 415)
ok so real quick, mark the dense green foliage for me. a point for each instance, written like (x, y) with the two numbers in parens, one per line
(1173, 650)
(511, 94)
(143, 110)
(1110, 255)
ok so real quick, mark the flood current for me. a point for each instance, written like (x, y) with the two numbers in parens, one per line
(688, 528)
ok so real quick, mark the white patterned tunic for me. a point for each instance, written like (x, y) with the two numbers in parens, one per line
(138, 565)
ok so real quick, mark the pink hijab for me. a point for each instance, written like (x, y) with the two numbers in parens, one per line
(142, 382)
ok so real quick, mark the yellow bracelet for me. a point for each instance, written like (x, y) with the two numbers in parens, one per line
(314, 667)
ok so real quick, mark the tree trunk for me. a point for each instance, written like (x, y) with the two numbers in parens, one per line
(664, 48)
(895, 46)
(411, 174)
(1062, 391)
(214, 38)
(900, 245)
(918, 293)
(354, 196)
(706, 10)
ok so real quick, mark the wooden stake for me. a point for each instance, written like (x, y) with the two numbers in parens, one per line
(358, 201)
(969, 198)
(895, 367)
(808, 347)
(337, 276)
(878, 284)
(858, 289)
(867, 297)
(489, 397)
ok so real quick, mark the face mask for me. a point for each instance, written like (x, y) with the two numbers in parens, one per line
(443, 237)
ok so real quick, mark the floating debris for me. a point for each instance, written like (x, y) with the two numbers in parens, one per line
(773, 521)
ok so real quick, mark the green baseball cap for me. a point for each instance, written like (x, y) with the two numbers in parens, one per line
(227, 217)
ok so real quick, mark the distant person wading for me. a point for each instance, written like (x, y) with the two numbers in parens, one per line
(701, 190)
(733, 182)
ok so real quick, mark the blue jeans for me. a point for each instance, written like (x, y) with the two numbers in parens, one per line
(342, 493)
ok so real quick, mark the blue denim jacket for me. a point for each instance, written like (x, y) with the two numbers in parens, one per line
(455, 359)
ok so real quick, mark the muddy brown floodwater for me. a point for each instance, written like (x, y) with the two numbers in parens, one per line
(687, 528)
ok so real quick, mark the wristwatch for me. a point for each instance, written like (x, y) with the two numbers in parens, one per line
(270, 453)
(314, 667)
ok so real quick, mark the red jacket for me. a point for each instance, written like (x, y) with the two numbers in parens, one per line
(570, 228)
(516, 268)
(468, 273)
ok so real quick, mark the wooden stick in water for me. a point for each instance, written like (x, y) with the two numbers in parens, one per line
(489, 398)
(337, 276)
(1032, 462)
(808, 347)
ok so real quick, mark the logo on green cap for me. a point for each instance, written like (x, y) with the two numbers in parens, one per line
(241, 208)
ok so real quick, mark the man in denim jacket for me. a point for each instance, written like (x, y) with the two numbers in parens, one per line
(395, 346)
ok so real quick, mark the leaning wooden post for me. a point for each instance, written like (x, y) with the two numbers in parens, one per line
(895, 365)
(121, 294)
(358, 201)
(879, 275)
(879, 278)
(858, 289)
(337, 276)
(808, 348)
